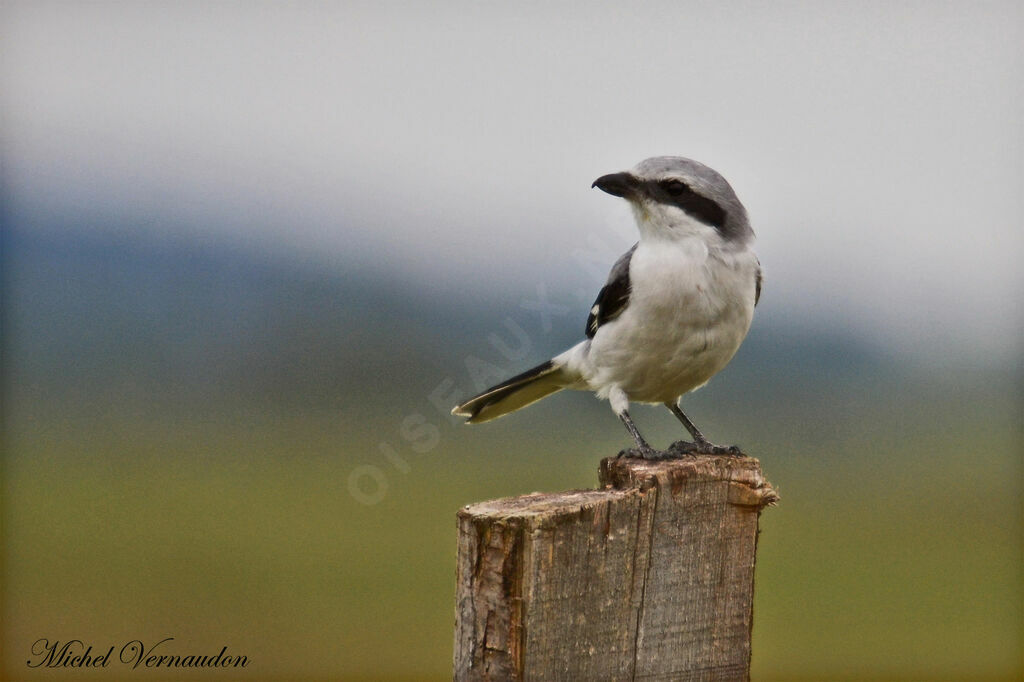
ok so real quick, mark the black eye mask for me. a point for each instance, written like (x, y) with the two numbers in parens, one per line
(678, 193)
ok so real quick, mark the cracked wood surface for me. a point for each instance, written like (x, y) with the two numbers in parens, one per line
(650, 577)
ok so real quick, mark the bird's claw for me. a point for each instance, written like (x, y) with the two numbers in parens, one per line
(680, 449)
(683, 447)
(647, 453)
(704, 448)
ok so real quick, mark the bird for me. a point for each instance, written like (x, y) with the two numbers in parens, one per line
(672, 314)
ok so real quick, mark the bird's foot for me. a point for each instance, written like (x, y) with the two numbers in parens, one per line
(647, 452)
(703, 447)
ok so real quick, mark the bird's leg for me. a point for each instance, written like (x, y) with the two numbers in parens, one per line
(695, 433)
(619, 402)
(642, 449)
(700, 444)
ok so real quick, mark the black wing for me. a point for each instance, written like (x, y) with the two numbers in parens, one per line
(757, 285)
(614, 295)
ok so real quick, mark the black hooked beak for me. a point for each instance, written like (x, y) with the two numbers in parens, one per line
(623, 185)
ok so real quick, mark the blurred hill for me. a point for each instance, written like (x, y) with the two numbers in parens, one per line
(197, 325)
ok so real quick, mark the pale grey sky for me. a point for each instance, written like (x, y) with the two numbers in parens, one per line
(877, 146)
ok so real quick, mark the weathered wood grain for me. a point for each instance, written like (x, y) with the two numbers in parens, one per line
(650, 577)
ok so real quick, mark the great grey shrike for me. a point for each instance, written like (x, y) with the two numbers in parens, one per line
(674, 311)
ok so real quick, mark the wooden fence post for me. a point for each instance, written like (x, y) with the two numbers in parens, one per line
(649, 577)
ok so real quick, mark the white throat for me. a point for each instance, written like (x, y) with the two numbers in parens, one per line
(661, 223)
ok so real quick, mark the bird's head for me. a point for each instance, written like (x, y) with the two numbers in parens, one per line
(673, 198)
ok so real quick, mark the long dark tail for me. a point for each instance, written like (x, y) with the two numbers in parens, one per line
(510, 395)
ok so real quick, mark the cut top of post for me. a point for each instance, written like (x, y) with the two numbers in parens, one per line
(747, 484)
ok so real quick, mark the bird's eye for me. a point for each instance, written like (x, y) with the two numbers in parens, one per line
(675, 187)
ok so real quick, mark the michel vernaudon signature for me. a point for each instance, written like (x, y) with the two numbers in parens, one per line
(74, 653)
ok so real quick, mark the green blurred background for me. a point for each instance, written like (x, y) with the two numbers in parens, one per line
(228, 350)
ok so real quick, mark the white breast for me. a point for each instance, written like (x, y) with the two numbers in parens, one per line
(690, 307)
